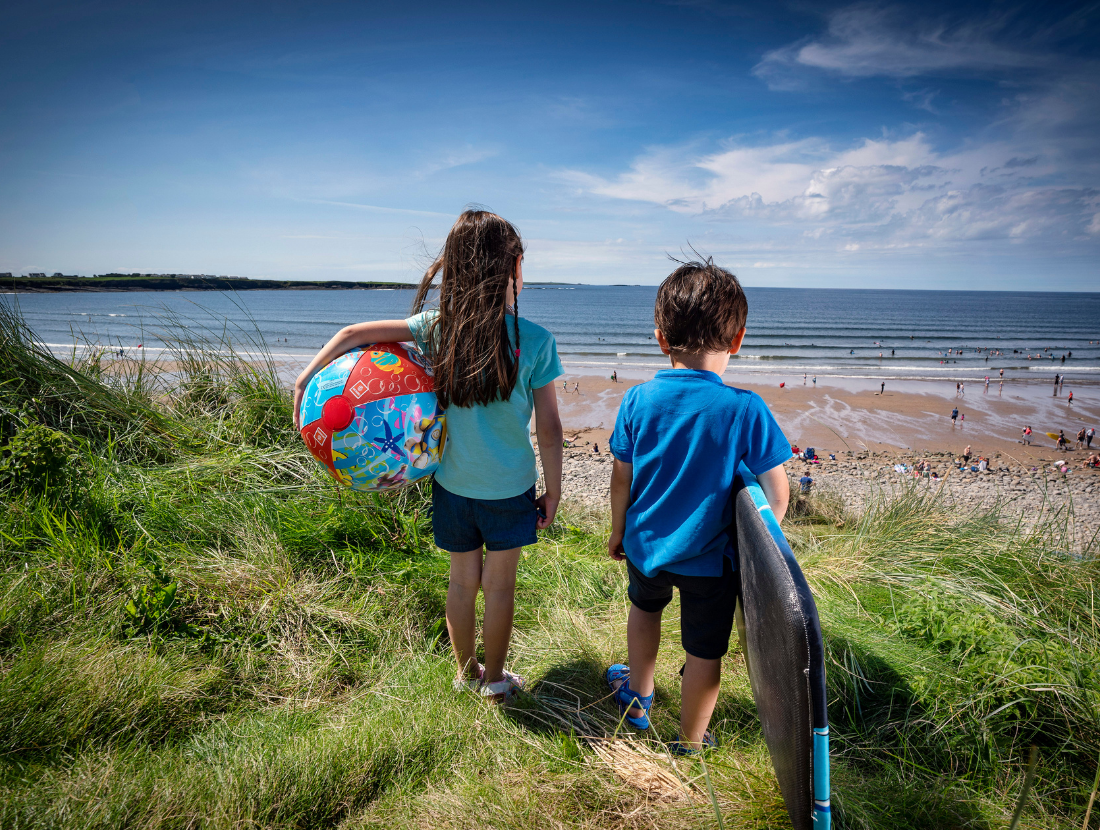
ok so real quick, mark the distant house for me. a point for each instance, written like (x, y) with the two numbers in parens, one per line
(6, 275)
(36, 275)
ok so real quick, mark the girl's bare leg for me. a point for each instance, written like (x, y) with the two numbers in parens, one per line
(498, 582)
(462, 609)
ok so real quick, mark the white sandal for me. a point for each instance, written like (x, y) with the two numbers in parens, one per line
(465, 684)
(504, 689)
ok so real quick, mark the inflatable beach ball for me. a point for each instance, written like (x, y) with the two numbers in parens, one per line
(372, 420)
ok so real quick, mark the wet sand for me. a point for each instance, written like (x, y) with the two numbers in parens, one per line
(850, 414)
(869, 433)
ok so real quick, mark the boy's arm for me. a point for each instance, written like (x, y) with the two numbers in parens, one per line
(381, 331)
(622, 474)
(548, 430)
(776, 489)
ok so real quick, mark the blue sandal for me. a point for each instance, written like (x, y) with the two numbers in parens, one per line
(679, 748)
(627, 698)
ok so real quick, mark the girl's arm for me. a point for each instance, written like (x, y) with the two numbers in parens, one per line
(548, 430)
(381, 331)
(776, 489)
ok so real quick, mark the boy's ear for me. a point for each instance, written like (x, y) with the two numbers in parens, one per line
(661, 341)
(735, 344)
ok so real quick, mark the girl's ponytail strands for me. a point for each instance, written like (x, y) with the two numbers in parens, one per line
(515, 309)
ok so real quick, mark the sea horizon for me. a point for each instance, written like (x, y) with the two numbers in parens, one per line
(842, 332)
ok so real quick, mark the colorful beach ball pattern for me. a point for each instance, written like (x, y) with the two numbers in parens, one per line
(372, 420)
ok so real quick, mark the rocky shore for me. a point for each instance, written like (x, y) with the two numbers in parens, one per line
(1028, 491)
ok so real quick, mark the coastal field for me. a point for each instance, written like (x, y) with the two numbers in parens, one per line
(197, 628)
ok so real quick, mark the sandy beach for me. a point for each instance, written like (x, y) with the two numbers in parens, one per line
(869, 432)
(850, 414)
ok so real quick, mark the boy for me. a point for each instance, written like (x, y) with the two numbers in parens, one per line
(677, 443)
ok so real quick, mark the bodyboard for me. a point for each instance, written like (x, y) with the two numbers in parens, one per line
(781, 639)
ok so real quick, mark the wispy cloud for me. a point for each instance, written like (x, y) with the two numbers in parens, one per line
(459, 157)
(866, 40)
(877, 194)
(378, 208)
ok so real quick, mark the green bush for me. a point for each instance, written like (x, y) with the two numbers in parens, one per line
(35, 458)
(1018, 673)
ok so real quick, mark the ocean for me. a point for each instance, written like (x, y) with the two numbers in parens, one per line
(934, 335)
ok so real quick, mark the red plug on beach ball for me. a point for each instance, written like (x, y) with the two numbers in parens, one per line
(337, 413)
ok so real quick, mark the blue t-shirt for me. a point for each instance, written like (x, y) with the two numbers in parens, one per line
(489, 453)
(685, 432)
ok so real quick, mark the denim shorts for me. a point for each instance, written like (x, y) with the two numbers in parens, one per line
(706, 605)
(460, 523)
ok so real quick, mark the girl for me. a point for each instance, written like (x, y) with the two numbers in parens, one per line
(491, 368)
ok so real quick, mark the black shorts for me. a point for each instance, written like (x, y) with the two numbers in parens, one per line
(706, 605)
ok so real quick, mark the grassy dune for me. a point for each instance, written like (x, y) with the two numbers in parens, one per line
(197, 629)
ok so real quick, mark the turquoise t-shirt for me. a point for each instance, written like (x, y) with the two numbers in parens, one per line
(489, 454)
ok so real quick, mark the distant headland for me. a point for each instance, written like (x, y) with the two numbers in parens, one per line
(58, 283)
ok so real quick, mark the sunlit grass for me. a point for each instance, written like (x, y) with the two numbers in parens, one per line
(198, 629)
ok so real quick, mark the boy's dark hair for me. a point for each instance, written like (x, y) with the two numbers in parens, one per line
(700, 308)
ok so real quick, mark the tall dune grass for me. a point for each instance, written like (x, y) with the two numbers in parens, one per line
(197, 629)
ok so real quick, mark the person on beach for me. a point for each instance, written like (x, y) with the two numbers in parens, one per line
(882, 388)
(1027, 435)
(1063, 442)
(564, 385)
(1069, 400)
(1080, 444)
(615, 376)
(677, 444)
(492, 368)
(577, 388)
(1089, 436)
(815, 381)
(954, 415)
(966, 455)
(805, 483)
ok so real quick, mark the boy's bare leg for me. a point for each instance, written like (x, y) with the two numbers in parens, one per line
(643, 640)
(698, 694)
(462, 609)
(498, 582)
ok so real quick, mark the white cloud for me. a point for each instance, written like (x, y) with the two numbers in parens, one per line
(866, 40)
(877, 194)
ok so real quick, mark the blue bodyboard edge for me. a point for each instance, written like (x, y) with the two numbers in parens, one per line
(822, 814)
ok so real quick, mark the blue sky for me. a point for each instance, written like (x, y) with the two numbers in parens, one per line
(914, 145)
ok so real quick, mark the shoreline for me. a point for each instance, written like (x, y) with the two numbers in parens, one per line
(869, 432)
(839, 415)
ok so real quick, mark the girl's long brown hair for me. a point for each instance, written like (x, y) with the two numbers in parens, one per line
(468, 346)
